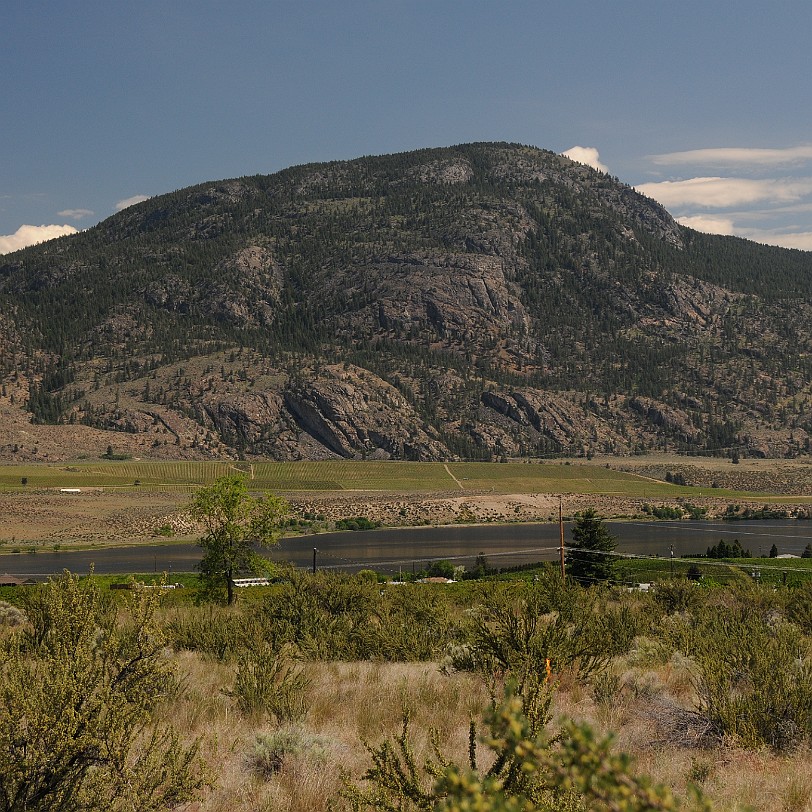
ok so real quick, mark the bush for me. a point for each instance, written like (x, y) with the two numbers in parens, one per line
(754, 678)
(357, 523)
(79, 694)
(676, 595)
(268, 682)
(517, 631)
(213, 631)
(529, 768)
(10, 615)
(799, 607)
(271, 751)
(341, 617)
(441, 569)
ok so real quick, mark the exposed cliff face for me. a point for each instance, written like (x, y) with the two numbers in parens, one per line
(465, 300)
(482, 300)
(354, 413)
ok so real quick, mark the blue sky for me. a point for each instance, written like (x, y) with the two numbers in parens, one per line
(705, 106)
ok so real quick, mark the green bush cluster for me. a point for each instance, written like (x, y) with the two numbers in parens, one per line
(747, 645)
(754, 666)
(80, 693)
(270, 683)
(337, 617)
(357, 523)
(728, 550)
(520, 629)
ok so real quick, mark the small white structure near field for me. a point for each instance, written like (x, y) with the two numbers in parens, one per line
(240, 582)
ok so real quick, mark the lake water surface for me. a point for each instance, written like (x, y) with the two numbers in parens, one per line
(407, 549)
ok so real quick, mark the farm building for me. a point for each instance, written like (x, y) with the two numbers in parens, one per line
(13, 580)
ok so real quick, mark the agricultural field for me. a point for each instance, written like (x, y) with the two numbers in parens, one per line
(131, 501)
(346, 475)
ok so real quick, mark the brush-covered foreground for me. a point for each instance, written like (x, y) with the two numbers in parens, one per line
(329, 692)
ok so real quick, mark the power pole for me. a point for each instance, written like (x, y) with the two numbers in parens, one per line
(561, 534)
(672, 561)
(314, 560)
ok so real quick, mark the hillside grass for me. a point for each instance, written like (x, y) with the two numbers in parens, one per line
(348, 475)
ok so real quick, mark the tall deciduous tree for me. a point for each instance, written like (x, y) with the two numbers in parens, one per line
(236, 523)
(590, 558)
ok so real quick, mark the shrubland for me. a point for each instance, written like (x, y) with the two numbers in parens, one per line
(336, 692)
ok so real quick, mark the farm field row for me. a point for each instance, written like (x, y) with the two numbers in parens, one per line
(344, 475)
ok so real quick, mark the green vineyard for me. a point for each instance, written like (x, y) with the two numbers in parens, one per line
(342, 475)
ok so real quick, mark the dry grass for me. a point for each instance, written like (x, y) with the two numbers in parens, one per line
(349, 703)
(353, 703)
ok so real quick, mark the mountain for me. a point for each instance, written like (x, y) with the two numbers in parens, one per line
(484, 300)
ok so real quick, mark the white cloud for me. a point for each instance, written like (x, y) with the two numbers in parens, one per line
(726, 156)
(708, 225)
(722, 192)
(801, 240)
(75, 214)
(30, 235)
(726, 226)
(130, 201)
(586, 155)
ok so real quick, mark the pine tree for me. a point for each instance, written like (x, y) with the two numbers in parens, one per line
(590, 558)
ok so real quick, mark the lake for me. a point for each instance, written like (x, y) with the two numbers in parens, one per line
(408, 549)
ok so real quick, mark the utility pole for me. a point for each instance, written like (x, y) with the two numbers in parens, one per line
(672, 561)
(314, 560)
(561, 535)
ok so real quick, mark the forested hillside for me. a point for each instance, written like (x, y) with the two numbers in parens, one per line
(481, 301)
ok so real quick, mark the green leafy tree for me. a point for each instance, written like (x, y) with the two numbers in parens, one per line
(79, 695)
(589, 558)
(441, 569)
(236, 523)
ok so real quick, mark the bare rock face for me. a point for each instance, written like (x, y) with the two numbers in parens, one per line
(442, 172)
(697, 302)
(567, 421)
(249, 304)
(250, 418)
(354, 413)
(541, 419)
(660, 415)
(463, 299)
(253, 303)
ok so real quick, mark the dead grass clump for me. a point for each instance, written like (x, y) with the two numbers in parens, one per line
(797, 795)
(679, 676)
(287, 746)
(10, 616)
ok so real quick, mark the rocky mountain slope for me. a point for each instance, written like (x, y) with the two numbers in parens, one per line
(484, 300)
